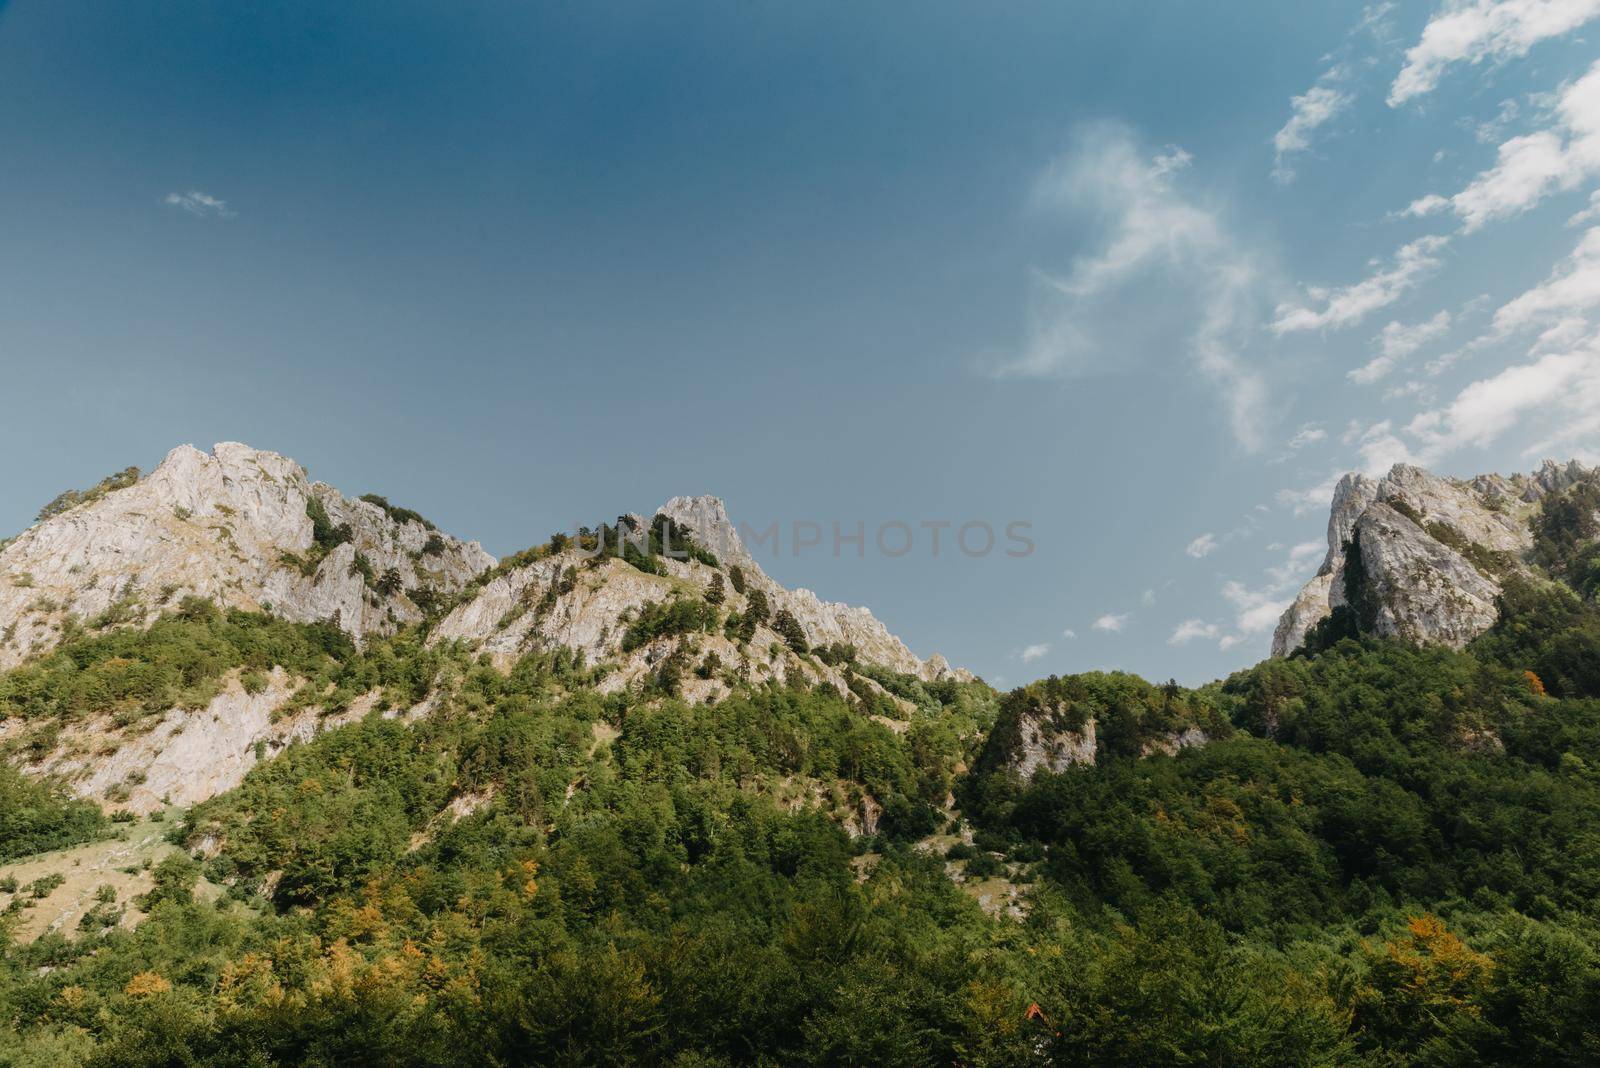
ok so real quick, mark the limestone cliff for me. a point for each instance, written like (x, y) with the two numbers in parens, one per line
(236, 527)
(573, 600)
(1420, 557)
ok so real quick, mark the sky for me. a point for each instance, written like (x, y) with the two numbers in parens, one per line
(1125, 287)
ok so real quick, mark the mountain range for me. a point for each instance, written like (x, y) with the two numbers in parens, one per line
(295, 777)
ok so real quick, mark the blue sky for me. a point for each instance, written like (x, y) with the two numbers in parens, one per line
(1144, 276)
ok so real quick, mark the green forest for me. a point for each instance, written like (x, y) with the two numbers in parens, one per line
(1385, 855)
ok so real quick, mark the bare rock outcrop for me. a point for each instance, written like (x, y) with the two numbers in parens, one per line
(234, 527)
(586, 604)
(1420, 589)
(1431, 553)
(189, 755)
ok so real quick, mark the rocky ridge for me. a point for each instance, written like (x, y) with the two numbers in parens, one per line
(1424, 557)
(572, 600)
(248, 529)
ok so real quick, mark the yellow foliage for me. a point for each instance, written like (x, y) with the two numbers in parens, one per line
(146, 984)
(1428, 971)
(1535, 683)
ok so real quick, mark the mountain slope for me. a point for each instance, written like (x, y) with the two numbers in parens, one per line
(488, 847)
(247, 530)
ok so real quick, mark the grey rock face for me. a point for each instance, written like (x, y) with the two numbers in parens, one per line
(568, 601)
(1308, 609)
(1434, 551)
(228, 526)
(1423, 590)
(1053, 750)
(1350, 498)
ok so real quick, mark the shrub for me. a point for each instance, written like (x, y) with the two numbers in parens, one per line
(787, 627)
(663, 618)
(72, 498)
(398, 514)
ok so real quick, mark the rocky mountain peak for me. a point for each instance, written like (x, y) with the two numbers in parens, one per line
(238, 526)
(575, 597)
(706, 517)
(1433, 552)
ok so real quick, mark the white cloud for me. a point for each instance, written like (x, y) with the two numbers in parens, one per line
(1561, 389)
(1033, 652)
(1300, 557)
(1573, 286)
(1113, 622)
(1202, 546)
(1151, 228)
(1314, 108)
(1347, 305)
(1069, 633)
(1487, 133)
(1395, 342)
(1313, 498)
(1190, 629)
(1472, 31)
(1563, 335)
(1147, 598)
(1588, 214)
(1414, 388)
(202, 205)
(1256, 609)
(1381, 449)
(1308, 434)
(1531, 167)
(1329, 97)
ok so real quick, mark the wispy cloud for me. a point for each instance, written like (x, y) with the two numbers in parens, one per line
(1069, 633)
(201, 205)
(1202, 546)
(1113, 622)
(1347, 305)
(1531, 167)
(1308, 434)
(1380, 449)
(1192, 629)
(1033, 652)
(1559, 393)
(1397, 341)
(1572, 287)
(1330, 96)
(1473, 31)
(1312, 498)
(1308, 112)
(1257, 608)
(1151, 227)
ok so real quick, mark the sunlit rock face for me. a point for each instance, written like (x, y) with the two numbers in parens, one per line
(1433, 552)
(231, 526)
(569, 601)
